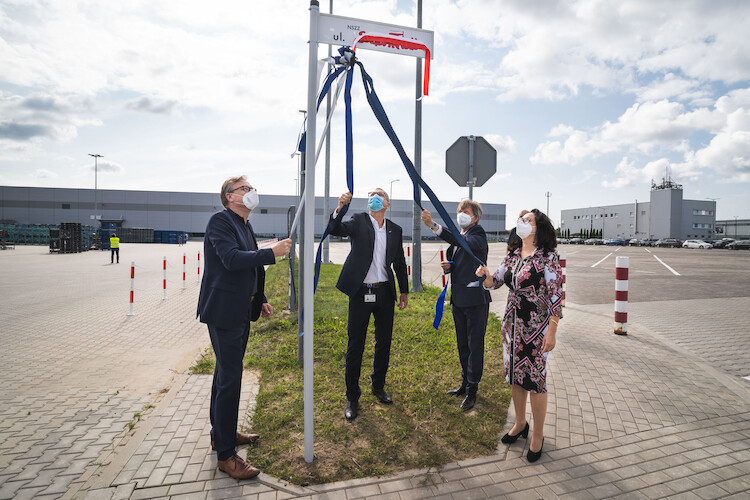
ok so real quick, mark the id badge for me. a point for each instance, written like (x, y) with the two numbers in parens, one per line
(370, 297)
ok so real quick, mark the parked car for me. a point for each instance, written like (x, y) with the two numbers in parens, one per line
(668, 243)
(576, 241)
(739, 245)
(615, 241)
(634, 242)
(563, 241)
(696, 244)
(647, 242)
(722, 243)
(593, 241)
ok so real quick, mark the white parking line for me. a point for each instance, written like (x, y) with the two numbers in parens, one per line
(646, 249)
(646, 272)
(610, 253)
(662, 262)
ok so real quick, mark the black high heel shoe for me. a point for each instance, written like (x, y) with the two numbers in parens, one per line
(508, 439)
(533, 456)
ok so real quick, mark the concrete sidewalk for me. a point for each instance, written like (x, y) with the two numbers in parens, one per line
(659, 413)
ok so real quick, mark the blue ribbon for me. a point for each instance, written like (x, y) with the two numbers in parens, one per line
(348, 60)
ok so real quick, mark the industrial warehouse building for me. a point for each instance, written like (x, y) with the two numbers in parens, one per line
(189, 212)
(665, 215)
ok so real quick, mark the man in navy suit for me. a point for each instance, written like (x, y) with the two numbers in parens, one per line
(231, 297)
(470, 304)
(367, 278)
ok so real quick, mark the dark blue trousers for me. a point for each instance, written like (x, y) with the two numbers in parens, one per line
(359, 319)
(229, 347)
(471, 325)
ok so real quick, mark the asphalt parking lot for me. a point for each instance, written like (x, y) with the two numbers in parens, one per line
(691, 273)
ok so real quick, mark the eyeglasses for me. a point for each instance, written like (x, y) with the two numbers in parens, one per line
(246, 189)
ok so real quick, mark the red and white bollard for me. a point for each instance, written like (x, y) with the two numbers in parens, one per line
(621, 295)
(442, 259)
(199, 264)
(563, 266)
(408, 262)
(184, 270)
(164, 297)
(132, 287)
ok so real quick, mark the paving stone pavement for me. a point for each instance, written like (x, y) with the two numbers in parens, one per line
(655, 414)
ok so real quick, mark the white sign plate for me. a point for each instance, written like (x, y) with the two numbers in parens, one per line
(338, 30)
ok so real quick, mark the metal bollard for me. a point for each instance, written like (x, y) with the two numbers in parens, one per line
(563, 265)
(132, 287)
(164, 297)
(621, 295)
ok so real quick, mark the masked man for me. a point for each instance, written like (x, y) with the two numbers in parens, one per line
(367, 278)
(231, 297)
(470, 303)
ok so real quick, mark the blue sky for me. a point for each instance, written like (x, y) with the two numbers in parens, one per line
(588, 100)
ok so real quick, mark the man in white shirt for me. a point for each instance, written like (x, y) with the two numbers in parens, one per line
(368, 279)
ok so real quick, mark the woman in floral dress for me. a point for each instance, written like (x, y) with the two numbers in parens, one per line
(534, 279)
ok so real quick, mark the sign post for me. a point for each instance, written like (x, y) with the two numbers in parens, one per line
(337, 30)
(309, 228)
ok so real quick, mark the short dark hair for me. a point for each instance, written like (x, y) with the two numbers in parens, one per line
(545, 238)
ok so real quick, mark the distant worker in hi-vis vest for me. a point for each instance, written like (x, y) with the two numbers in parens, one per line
(114, 245)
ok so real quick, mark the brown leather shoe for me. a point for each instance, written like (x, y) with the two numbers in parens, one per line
(238, 468)
(241, 439)
(246, 438)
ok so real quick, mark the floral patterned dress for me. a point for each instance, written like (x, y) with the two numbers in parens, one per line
(535, 294)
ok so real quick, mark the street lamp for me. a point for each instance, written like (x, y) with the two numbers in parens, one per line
(390, 194)
(96, 180)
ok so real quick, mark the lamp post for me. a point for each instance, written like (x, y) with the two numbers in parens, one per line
(96, 179)
(712, 231)
(390, 193)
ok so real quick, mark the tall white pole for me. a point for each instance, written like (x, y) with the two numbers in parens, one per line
(309, 227)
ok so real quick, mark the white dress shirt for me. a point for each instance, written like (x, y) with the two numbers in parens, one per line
(377, 272)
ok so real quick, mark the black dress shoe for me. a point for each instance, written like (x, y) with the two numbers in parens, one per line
(383, 396)
(533, 456)
(508, 439)
(468, 402)
(458, 391)
(351, 411)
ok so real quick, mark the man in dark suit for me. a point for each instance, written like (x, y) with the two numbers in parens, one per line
(367, 278)
(470, 304)
(232, 296)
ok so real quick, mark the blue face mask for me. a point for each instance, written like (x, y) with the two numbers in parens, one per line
(375, 203)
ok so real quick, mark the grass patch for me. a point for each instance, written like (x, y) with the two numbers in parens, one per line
(205, 364)
(424, 428)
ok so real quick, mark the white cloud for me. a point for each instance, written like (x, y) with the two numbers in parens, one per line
(504, 145)
(650, 127)
(107, 166)
(43, 173)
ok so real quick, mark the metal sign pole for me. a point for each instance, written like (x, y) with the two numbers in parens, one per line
(416, 268)
(309, 226)
(472, 139)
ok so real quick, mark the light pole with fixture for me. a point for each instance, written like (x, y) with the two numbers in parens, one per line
(96, 180)
(390, 195)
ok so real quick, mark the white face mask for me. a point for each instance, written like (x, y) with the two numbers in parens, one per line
(523, 229)
(250, 199)
(463, 219)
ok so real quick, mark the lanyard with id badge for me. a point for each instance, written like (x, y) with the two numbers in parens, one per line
(369, 296)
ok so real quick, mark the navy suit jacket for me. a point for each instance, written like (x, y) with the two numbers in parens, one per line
(233, 274)
(463, 271)
(362, 237)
